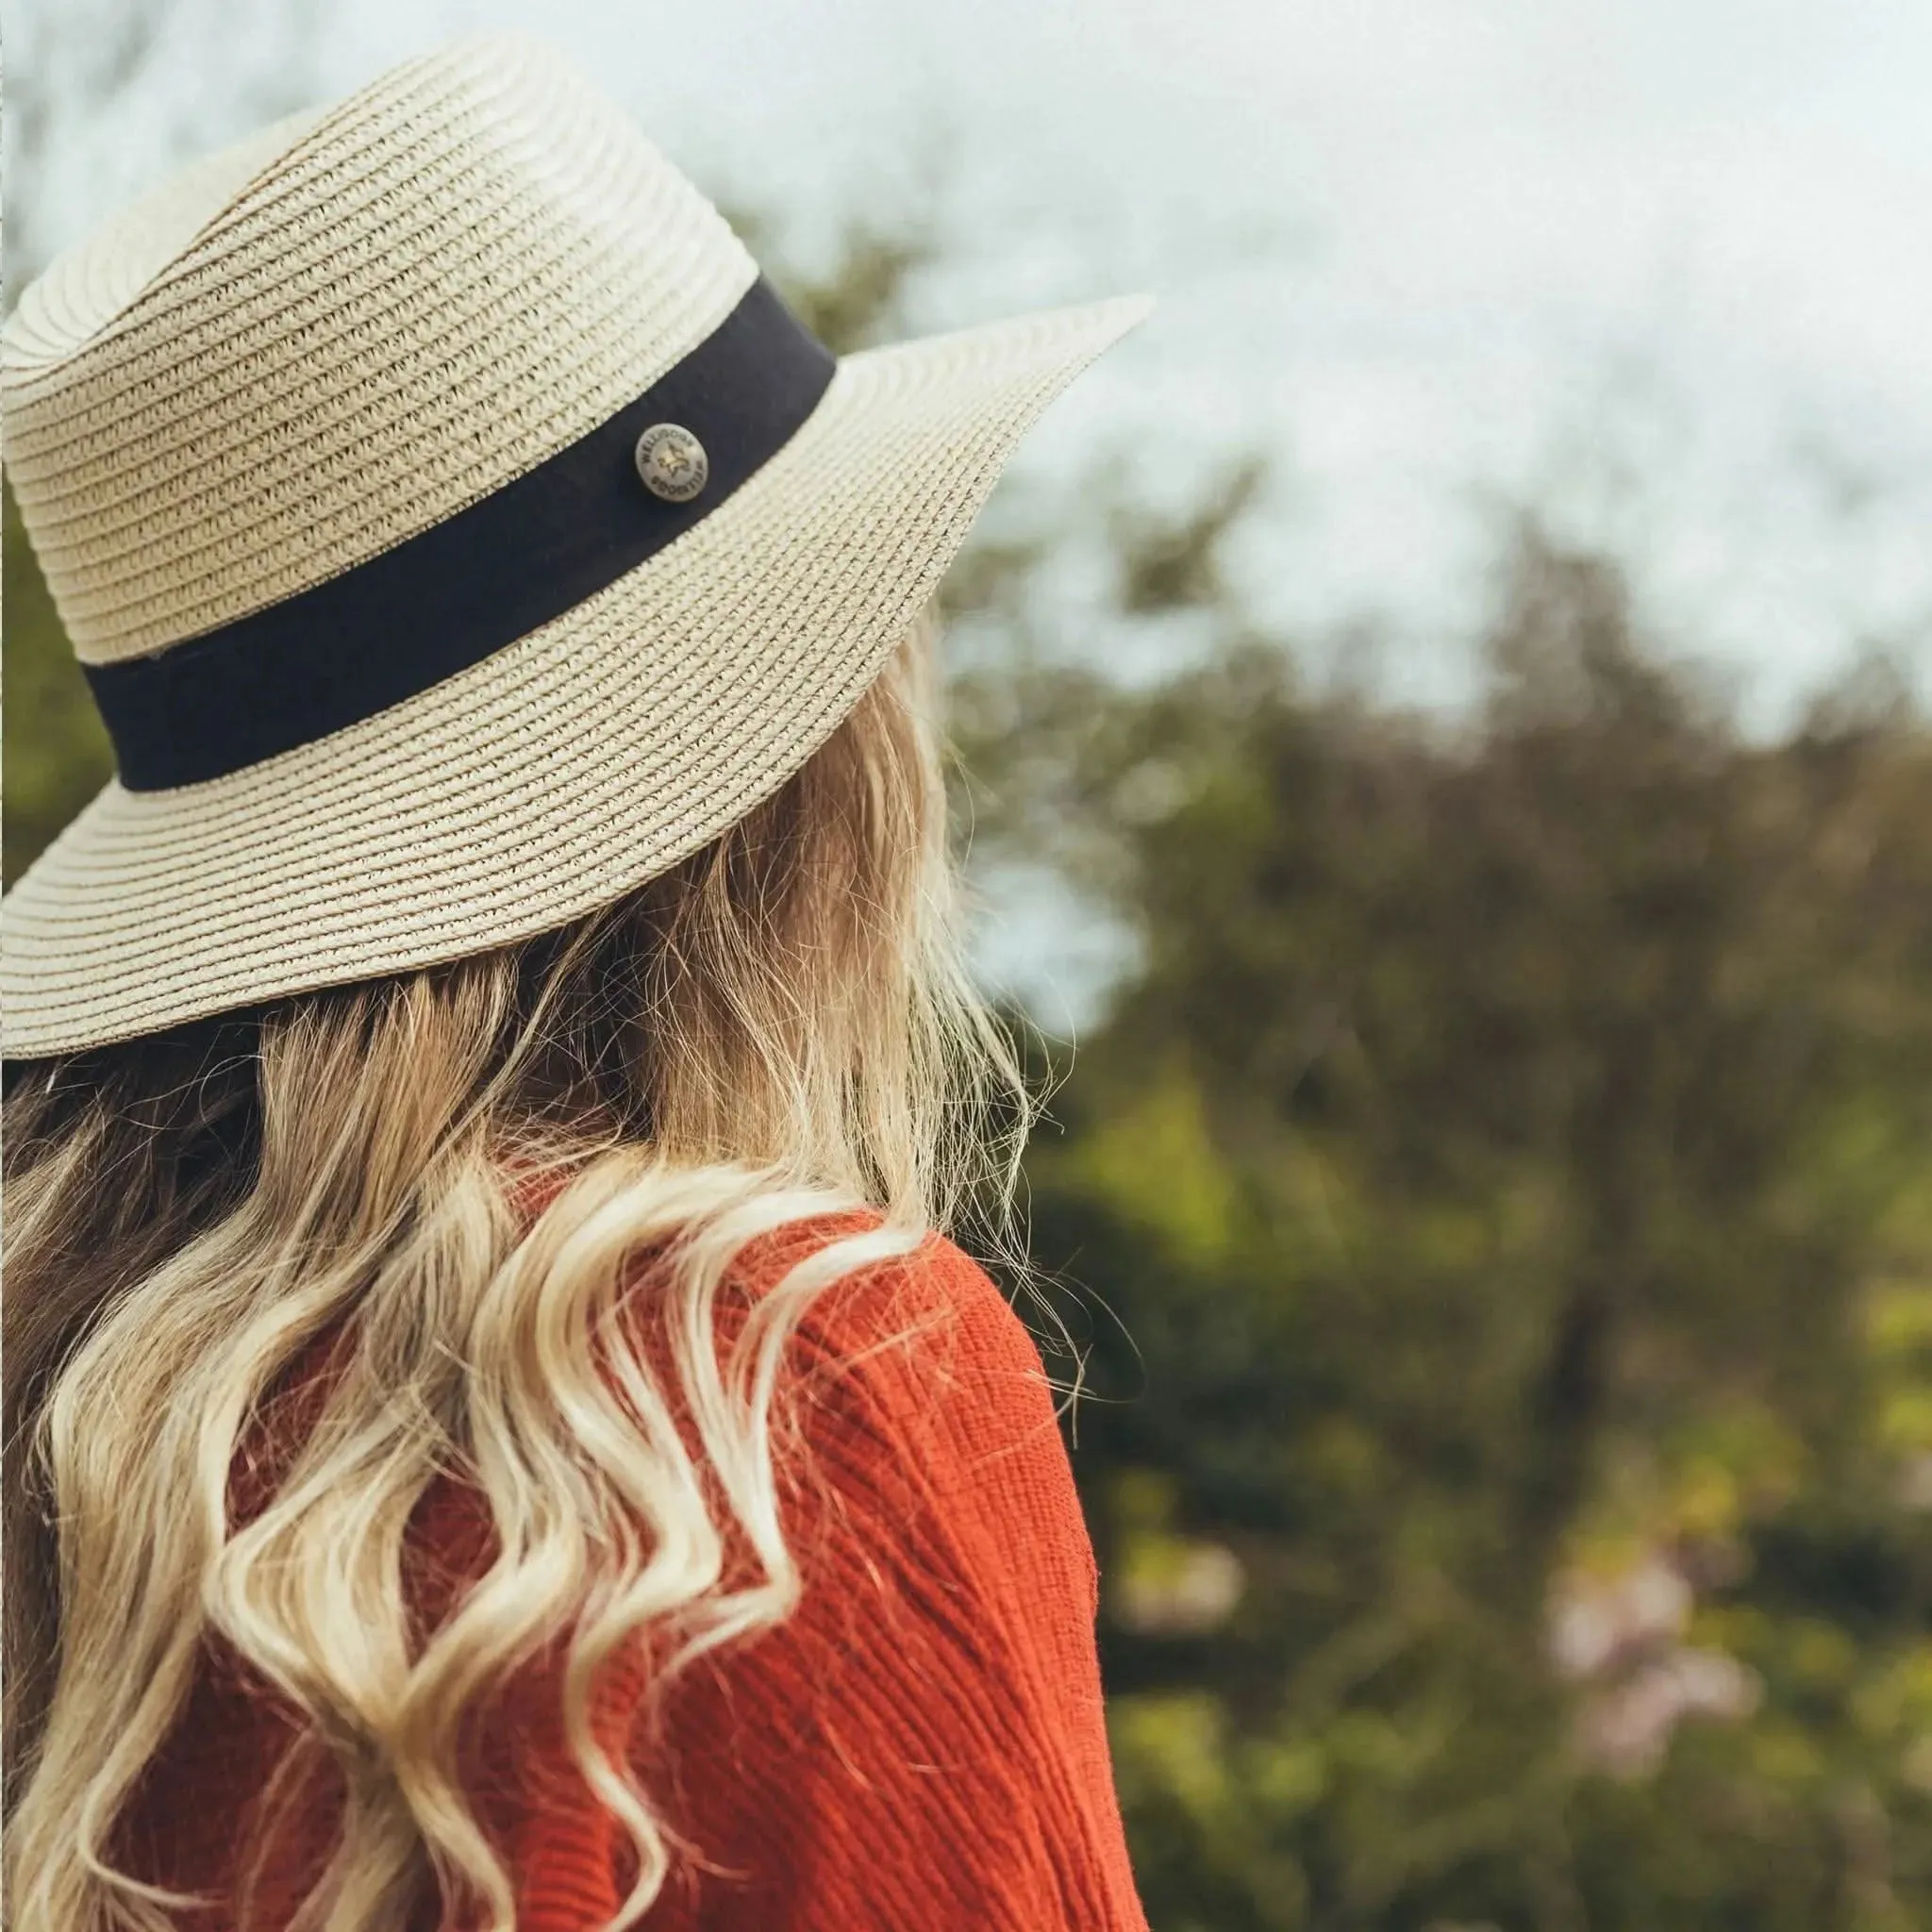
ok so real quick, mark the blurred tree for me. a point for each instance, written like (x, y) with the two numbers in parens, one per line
(54, 754)
(1503, 1170)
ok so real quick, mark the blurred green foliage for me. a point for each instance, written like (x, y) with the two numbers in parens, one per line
(1501, 1185)
(54, 753)
(1493, 1205)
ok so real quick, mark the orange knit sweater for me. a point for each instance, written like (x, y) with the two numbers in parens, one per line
(919, 1748)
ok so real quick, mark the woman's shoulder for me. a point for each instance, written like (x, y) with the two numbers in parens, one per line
(913, 1322)
(936, 1685)
(902, 1339)
(926, 1400)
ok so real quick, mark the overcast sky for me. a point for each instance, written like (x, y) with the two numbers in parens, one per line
(1427, 253)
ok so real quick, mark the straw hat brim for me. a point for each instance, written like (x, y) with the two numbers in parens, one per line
(569, 767)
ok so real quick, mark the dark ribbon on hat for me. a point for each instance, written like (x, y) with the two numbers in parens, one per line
(455, 593)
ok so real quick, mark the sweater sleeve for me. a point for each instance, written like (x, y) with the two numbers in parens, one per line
(921, 1744)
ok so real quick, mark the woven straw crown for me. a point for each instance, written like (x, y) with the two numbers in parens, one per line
(309, 351)
(449, 278)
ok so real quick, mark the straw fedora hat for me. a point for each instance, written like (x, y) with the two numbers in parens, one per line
(455, 531)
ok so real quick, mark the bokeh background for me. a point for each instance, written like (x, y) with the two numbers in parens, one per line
(1451, 802)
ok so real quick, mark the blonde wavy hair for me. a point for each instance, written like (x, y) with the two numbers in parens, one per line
(780, 1028)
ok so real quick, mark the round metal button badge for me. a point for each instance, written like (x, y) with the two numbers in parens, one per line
(672, 461)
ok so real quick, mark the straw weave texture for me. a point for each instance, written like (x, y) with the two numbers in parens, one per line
(450, 279)
(270, 410)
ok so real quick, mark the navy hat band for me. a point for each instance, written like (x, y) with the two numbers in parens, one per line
(453, 595)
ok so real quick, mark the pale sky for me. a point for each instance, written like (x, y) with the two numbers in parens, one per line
(1427, 253)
